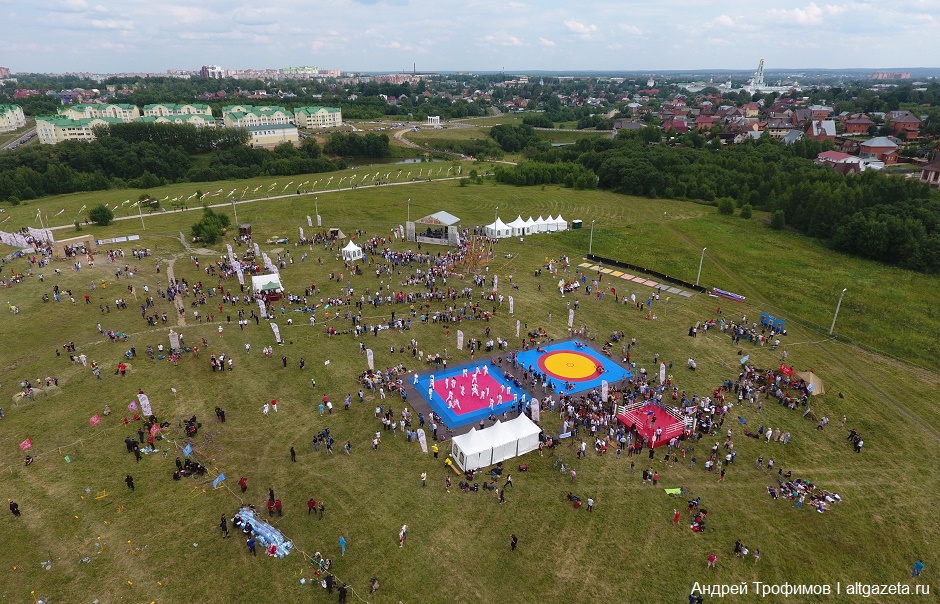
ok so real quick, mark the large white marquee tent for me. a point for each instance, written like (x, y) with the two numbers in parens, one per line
(498, 229)
(502, 441)
(352, 252)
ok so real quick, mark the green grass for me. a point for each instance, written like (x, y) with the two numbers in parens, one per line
(458, 544)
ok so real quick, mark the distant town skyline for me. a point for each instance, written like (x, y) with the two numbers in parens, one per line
(104, 36)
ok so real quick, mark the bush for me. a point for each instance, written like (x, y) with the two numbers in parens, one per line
(747, 210)
(101, 215)
(211, 227)
(777, 220)
(725, 206)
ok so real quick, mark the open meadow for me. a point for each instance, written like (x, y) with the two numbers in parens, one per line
(161, 542)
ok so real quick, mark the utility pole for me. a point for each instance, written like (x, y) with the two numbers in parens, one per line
(836, 315)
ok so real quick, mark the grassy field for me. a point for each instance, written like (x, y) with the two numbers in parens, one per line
(161, 543)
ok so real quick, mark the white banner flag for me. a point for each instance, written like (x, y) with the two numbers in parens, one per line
(401, 229)
(277, 333)
(264, 311)
(144, 404)
(309, 221)
(518, 325)
(301, 232)
(536, 410)
(633, 298)
(257, 250)
(459, 340)
(510, 304)
(319, 221)
(174, 340)
(571, 318)
(662, 374)
(605, 390)
(182, 238)
(370, 359)
(495, 282)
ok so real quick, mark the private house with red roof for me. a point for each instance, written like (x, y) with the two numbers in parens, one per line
(857, 123)
(705, 122)
(778, 127)
(904, 124)
(822, 130)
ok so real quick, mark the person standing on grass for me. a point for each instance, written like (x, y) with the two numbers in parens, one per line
(243, 483)
(129, 480)
(513, 542)
(293, 454)
(675, 517)
(712, 559)
(918, 568)
(321, 510)
(251, 546)
(224, 526)
(14, 508)
(402, 535)
(342, 545)
(311, 505)
(424, 479)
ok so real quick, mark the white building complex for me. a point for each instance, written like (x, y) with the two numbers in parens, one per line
(123, 112)
(318, 117)
(54, 129)
(11, 118)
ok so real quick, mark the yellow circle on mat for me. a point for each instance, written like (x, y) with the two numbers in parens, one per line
(570, 365)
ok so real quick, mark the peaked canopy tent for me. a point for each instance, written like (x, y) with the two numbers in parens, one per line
(550, 224)
(441, 228)
(531, 226)
(471, 450)
(502, 441)
(266, 283)
(541, 226)
(519, 227)
(561, 224)
(352, 252)
(498, 229)
(813, 382)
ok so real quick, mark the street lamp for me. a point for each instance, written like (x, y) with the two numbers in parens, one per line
(409, 209)
(591, 240)
(700, 261)
(141, 214)
(236, 212)
(835, 316)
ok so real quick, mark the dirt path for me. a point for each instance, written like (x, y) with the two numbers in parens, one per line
(178, 301)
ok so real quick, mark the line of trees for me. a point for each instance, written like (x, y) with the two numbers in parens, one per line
(874, 215)
(356, 145)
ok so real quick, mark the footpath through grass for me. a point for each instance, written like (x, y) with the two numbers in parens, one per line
(161, 543)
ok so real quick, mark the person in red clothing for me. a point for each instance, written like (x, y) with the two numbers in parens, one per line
(243, 483)
(655, 478)
(311, 506)
(270, 507)
(277, 506)
(675, 517)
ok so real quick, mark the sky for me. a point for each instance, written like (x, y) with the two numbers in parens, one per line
(107, 36)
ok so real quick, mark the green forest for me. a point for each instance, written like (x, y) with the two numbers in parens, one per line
(873, 215)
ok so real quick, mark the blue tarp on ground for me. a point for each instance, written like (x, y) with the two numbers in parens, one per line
(264, 533)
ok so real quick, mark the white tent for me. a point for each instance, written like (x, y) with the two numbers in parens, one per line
(352, 252)
(561, 223)
(551, 224)
(519, 227)
(471, 450)
(541, 225)
(498, 229)
(530, 226)
(266, 283)
(502, 441)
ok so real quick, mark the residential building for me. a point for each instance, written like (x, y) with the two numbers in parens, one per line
(820, 112)
(54, 129)
(272, 135)
(243, 116)
(881, 148)
(857, 123)
(930, 175)
(822, 130)
(792, 136)
(124, 112)
(11, 118)
(904, 125)
(4, 72)
(195, 119)
(212, 72)
(778, 127)
(318, 117)
(168, 109)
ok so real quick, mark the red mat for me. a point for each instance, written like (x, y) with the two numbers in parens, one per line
(469, 402)
(643, 418)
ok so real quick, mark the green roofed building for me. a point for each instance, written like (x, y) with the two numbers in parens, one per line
(194, 119)
(168, 109)
(11, 118)
(122, 111)
(318, 117)
(54, 129)
(244, 116)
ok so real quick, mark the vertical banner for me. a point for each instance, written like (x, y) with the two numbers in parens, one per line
(605, 390)
(144, 404)
(309, 221)
(536, 409)
(571, 318)
(174, 340)
(401, 230)
(662, 374)
(301, 232)
(257, 250)
(319, 221)
(459, 340)
(264, 311)
(277, 333)
(495, 282)
(370, 359)
(182, 238)
(518, 325)
(218, 479)
(510, 304)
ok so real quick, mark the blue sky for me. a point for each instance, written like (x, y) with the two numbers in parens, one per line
(470, 35)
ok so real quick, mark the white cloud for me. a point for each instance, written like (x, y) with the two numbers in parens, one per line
(112, 24)
(631, 29)
(582, 29)
(256, 16)
(812, 13)
(503, 40)
(546, 42)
